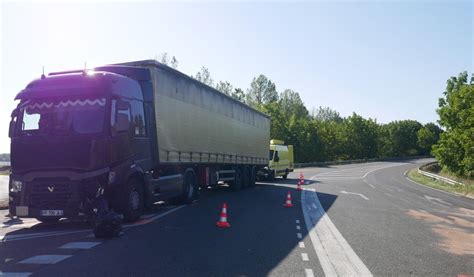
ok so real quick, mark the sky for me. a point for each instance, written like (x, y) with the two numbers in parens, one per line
(383, 60)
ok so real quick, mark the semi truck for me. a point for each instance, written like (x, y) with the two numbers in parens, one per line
(135, 133)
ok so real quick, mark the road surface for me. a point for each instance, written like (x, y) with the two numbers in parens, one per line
(360, 219)
(3, 191)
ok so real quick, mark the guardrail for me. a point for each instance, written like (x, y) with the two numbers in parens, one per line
(301, 165)
(439, 178)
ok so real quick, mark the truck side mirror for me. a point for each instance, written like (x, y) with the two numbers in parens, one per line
(11, 129)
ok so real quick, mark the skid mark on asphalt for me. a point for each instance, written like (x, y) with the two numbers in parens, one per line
(456, 235)
(336, 256)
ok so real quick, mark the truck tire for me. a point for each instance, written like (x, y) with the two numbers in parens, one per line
(236, 185)
(190, 188)
(253, 176)
(271, 175)
(247, 176)
(130, 200)
(48, 220)
(286, 175)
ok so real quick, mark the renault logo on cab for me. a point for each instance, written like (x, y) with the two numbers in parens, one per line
(51, 188)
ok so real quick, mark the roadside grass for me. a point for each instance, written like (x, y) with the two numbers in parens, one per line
(467, 190)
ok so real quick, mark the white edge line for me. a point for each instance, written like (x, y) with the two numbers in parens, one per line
(14, 274)
(453, 194)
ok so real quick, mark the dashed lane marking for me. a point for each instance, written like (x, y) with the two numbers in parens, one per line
(336, 256)
(298, 235)
(301, 244)
(45, 259)
(297, 221)
(79, 245)
(298, 227)
(304, 257)
(309, 272)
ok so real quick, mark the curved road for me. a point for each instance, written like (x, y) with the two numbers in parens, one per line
(361, 219)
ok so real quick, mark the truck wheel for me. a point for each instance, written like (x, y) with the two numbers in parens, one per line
(271, 175)
(237, 183)
(247, 177)
(191, 190)
(286, 175)
(48, 219)
(253, 176)
(131, 200)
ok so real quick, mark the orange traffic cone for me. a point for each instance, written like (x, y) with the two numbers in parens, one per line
(298, 187)
(288, 201)
(223, 218)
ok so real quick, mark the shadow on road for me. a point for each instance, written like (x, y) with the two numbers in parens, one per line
(187, 243)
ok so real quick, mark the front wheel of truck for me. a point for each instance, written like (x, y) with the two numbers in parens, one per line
(130, 200)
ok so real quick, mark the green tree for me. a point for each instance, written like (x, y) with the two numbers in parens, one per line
(292, 104)
(359, 136)
(326, 114)
(427, 137)
(238, 94)
(400, 138)
(204, 76)
(225, 87)
(455, 149)
(262, 91)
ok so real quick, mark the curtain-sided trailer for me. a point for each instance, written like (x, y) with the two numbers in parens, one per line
(138, 132)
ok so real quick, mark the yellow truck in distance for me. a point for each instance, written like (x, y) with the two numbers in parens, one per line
(281, 161)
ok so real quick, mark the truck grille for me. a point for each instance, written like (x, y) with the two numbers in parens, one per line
(51, 195)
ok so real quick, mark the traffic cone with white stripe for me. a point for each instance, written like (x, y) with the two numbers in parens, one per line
(222, 223)
(300, 181)
(288, 203)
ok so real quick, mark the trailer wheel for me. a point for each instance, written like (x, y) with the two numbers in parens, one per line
(247, 176)
(191, 190)
(253, 176)
(237, 183)
(271, 175)
(131, 200)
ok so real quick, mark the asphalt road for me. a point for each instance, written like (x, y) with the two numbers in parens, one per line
(361, 219)
(3, 191)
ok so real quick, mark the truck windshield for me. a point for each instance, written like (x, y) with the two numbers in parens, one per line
(63, 117)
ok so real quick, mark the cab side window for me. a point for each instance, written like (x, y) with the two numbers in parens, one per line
(120, 116)
(276, 158)
(138, 119)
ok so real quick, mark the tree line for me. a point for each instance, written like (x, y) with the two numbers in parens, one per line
(323, 135)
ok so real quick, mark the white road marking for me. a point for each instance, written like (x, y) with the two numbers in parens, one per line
(14, 274)
(429, 198)
(335, 255)
(453, 194)
(5, 238)
(309, 272)
(45, 259)
(304, 257)
(301, 244)
(298, 235)
(355, 193)
(79, 245)
(298, 227)
(297, 221)
(392, 165)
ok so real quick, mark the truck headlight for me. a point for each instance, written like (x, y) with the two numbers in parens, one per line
(16, 186)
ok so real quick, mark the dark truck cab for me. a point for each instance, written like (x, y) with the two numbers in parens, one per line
(77, 134)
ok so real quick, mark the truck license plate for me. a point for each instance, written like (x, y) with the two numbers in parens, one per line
(52, 212)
